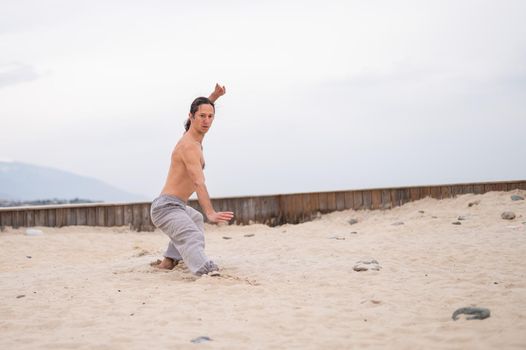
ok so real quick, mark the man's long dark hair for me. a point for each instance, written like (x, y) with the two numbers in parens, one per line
(195, 106)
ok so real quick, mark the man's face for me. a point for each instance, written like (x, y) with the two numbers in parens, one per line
(203, 118)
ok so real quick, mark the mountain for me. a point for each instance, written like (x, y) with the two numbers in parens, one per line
(24, 182)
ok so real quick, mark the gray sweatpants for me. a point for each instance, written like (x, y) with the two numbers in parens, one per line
(185, 227)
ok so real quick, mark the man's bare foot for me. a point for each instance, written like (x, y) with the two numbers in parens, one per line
(167, 263)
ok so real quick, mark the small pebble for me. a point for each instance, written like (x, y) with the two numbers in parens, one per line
(473, 203)
(352, 221)
(132, 314)
(365, 265)
(457, 223)
(508, 215)
(353, 232)
(398, 223)
(28, 256)
(421, 211)
(461, 218)
(434, 217)
(201, 339)
(226, 237)
(338, 238)
(20, 296)
(250, 235)
(479, 313)
(516, 197)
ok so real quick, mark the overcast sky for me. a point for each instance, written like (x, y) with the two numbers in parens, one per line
(321, 95)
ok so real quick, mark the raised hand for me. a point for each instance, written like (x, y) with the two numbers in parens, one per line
(218, 92)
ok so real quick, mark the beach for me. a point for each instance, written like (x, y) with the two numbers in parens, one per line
(284, 287)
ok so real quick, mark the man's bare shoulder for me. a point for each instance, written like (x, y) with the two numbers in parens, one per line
(187, 146)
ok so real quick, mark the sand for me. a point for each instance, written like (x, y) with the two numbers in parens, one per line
(289, 287)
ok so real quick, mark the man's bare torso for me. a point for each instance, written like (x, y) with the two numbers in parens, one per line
(178, 183)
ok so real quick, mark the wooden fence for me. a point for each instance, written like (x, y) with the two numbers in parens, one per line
(271, 210)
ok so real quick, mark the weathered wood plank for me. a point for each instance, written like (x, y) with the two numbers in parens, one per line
(100, 216)
(445, 192)
(40, 218)
(425, 191)
(251, 210)
(310, 205)
(137, 217)
(435, 192)
(82, 216)
(91, 216)
(119, 215)
(286, 208)
(30, 218)
(51, 218)
(501, 186)
(414, 193)
(358, 200)
(386, 202)
(403, 195)
(323, 201)
(478, 188)
(340, 201)
(395, 197)
(128, 215)
(110, 216)
(19, 218)
(147, 224)
(367, 199)
(71, 214)
(376, 199)
(6, 218)
(348, 199)
(331, 201)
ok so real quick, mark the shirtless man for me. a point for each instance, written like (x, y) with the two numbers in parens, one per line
(169, 212)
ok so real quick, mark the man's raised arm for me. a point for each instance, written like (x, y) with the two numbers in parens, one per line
(218, 92)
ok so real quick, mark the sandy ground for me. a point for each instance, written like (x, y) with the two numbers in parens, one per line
(289, 287)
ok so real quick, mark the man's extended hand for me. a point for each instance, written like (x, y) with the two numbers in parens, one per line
(218, 92)
(222, 216)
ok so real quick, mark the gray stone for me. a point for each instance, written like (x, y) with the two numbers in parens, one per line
(421, 211)
(508, 215)
(366, 265)
(226, 237)
(352, 221)
(516, 197)
(201, 339)
(460, 218)
(338, 238)
(479, 313)
(477, 202)
(457, 223)
(249, 235)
